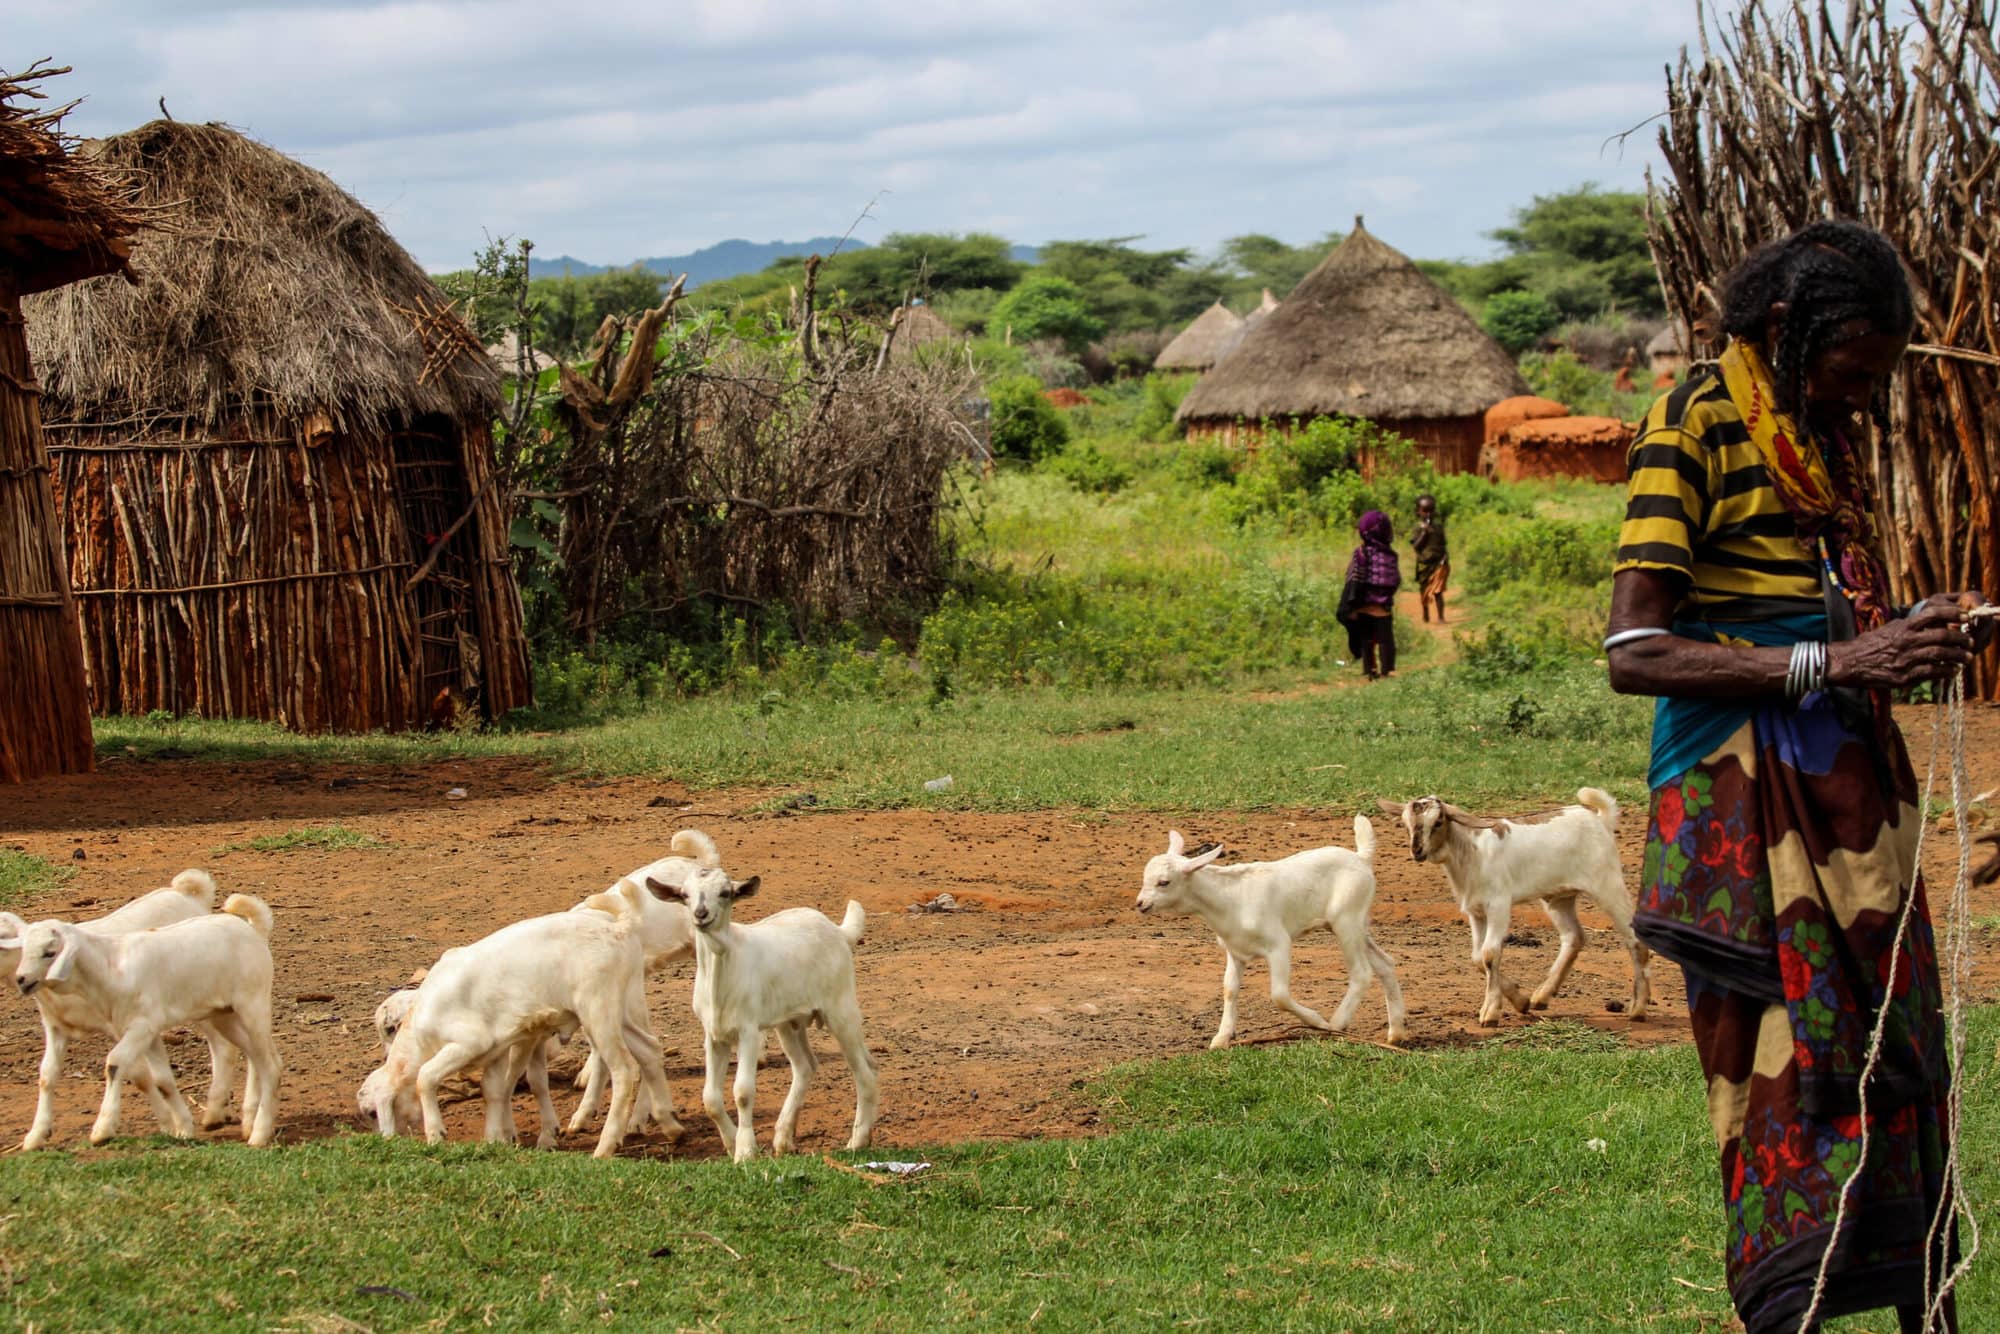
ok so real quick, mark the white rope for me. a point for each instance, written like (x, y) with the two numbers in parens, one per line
(1947, 717)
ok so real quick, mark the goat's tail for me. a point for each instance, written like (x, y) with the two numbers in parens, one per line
(696, 847)
(1364, 838)
(852, 924)
(1599, 803)
(197, 885)
(620, 902)
(252, 910)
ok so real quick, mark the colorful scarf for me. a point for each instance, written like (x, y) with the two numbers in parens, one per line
(1825, 486)
(1374, 561)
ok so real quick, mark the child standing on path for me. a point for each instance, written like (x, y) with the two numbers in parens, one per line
(1433, 561)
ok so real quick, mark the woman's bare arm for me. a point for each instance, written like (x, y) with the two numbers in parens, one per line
(1924, 647)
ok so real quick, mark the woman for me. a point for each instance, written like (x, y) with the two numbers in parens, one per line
(1368, 598)
(1750, 596)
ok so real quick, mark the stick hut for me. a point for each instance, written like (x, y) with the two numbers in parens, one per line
(1792, 112)
(1365, 334)
(61, 220)
(274, 461)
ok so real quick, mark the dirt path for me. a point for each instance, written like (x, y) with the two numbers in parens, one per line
(985, 1019)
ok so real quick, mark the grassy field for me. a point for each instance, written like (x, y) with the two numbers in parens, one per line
(1161, 646)
(1553, 1182)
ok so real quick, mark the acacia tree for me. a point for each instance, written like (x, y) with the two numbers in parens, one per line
(1889, 117)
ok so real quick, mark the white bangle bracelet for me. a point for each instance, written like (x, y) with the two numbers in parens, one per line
(1633, 636)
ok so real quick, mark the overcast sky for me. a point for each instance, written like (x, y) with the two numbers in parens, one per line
(611, 129)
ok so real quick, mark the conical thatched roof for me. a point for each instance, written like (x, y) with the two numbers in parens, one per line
(266, 284)
(61, 219)
(1201, 344)
(1667, 342)
(1365, 335)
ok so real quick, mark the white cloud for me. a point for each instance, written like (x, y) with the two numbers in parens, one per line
(622, 128)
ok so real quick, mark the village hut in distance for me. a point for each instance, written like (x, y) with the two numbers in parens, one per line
(1202, 343)
(61, 221)
(274, 460)
(1365, 334)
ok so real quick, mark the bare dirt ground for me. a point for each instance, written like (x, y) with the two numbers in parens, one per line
(985, 1020)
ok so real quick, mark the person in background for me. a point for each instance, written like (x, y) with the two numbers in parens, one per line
(1433, 561)
(1368, 598)
(1750, 597)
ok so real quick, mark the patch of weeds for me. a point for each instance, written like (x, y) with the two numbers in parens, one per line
(314, 837)
(23, 874)
(1559, 1035)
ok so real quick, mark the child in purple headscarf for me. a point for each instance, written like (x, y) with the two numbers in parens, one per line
(1368, 599)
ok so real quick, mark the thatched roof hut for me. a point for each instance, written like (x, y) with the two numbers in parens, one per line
(1201, 344)
(1667, 352)
(919, 327)
(274, 460)
(1365, 334)
(60, 221)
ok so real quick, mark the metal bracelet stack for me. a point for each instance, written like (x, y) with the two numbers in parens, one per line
(1808, 670)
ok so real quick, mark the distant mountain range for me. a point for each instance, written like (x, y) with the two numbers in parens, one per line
(725, 259)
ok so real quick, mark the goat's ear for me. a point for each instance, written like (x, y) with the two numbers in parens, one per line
(661, 890)
(59, 971)
(1176, 845)
(11, 928)
(1394, 808)
(1202, 856)
(743, 889)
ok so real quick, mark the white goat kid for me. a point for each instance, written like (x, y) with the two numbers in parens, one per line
(214, 969)
(784, 972)
(1257, 909)
(190, 894)
(667, 934)
(1493, 864)
(495, 1002)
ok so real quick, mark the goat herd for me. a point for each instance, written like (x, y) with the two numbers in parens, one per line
(501, 1005)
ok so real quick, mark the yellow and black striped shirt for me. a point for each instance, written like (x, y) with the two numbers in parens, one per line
(1701, 505)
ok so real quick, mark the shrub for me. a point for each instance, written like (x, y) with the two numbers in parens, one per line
(1087, 468)
(1025, 425)
(1155, 417)
(1541, 552)
(1516, 319)
(1046, 306)
(1586, 392)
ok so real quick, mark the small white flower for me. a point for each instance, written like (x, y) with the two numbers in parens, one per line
(1594, 1144)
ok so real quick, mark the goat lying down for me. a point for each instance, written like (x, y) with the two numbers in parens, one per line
(1494, 864)
(1257, 909)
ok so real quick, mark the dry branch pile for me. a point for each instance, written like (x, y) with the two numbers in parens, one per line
(1888, 115)
(60, 220)
(700, 473)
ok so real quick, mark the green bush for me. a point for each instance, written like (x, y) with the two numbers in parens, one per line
(1163, 394)
(1046, 306)
(1025, 425)
(1585, 391)
(1541, 552)
(1087, 468)
(1516, 319)
(1206, 463)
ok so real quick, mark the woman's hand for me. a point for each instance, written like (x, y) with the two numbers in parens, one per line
(1924, 647)
(1960, 603)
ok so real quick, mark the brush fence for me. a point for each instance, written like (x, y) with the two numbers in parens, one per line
(264, 568)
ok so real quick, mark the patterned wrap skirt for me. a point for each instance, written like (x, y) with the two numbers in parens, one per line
(1776, 869)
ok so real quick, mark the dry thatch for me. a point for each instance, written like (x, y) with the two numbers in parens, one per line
(1202, 343)
(268, 285)
(274, 460)
(60, 221)
(1365, 334)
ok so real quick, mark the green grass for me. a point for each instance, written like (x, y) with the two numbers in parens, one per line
(1034, 748)
(316, 837)
(1314, 1185)
(24, 875)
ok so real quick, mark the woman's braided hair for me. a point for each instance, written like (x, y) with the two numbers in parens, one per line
(1840, 280)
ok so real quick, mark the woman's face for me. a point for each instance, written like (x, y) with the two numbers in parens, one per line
(1842, 381)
